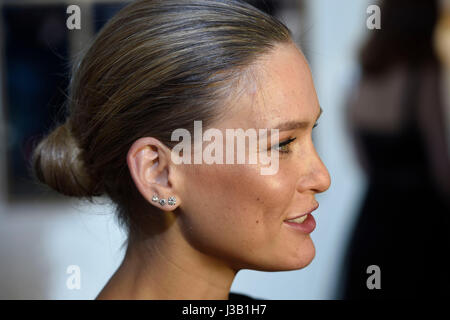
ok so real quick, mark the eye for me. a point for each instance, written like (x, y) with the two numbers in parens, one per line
(283, 146)
(315, 125)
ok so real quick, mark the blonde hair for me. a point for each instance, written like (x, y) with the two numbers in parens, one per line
(157, 65)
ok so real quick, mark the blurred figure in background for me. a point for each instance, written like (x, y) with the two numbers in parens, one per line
(396, 116)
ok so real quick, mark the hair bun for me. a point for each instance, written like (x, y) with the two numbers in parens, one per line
(57, 163)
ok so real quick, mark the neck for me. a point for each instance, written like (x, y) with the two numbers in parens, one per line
(167, 267)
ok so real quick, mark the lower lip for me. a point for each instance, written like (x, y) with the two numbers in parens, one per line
(306, 227)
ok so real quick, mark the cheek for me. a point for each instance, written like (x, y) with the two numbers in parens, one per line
(240, 192)
(235, 205)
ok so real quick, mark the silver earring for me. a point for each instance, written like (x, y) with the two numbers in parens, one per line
(171, 201)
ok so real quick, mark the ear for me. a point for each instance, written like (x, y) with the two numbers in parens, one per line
(150, 167)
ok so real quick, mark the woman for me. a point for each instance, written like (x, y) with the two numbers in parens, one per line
(158, 66)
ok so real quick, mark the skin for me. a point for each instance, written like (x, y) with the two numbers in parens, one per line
(228, 217)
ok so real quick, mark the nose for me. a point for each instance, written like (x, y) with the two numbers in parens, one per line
(315, 177)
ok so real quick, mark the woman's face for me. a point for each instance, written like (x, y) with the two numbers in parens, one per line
(232, 211)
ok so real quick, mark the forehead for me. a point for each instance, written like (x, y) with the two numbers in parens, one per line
(280, 88)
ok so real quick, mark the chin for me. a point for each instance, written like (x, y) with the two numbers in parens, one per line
(303, 256)
(294, 258)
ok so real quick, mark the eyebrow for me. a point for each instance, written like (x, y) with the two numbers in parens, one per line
(293, 124)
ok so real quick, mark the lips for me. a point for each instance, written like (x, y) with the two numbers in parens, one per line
(306, 227)
(303, 214)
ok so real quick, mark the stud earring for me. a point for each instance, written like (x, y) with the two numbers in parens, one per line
(172, 201)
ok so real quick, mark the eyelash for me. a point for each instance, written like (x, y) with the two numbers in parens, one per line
(288, 141)
(284, 143)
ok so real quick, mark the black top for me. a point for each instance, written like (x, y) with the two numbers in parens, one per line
(239, 296)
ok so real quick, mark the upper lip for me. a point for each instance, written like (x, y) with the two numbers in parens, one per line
(314, 207)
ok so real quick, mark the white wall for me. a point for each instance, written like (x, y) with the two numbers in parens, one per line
(39, 240)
